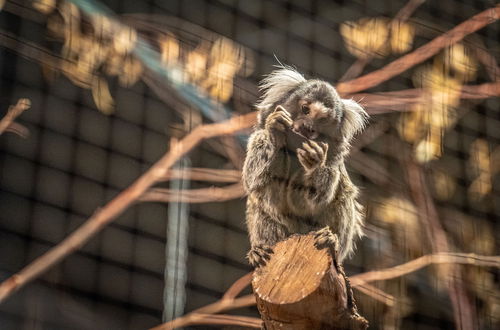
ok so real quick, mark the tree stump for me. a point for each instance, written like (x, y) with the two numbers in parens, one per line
(302, 287)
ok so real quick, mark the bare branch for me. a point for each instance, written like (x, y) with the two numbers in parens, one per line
(216, 307)
(416, 264)
(216, 319)
(204, 174)
(120, 203)
(462, 307)
(402, 100)
(238, 286)
(202, 195)
(376, 294)
(6, 124)
(18, 129)
(421, 54)
(359, 281)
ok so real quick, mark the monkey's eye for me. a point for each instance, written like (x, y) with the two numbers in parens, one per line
(305, 109)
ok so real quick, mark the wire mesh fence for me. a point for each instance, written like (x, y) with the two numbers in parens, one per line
(114, 85)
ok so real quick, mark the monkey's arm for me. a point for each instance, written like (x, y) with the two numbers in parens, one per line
(263, 148)
(321, 183)
(320, 177)
(260, 153)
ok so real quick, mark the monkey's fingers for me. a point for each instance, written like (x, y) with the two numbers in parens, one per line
(285, 115)
(318, 150)
(281, 109)
(325, 238)
(304, 159)
(314, 150)
(324, 146)
(279, 120)
(311, 152)
(259, 255)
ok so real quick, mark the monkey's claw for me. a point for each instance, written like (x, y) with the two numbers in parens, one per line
(326, 239)
(259, 255)
(279, 120)
(312, 154)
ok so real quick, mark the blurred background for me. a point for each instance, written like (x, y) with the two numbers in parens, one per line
(112, 82)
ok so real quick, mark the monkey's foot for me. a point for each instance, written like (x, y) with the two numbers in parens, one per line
(326, 239)
(259, 255)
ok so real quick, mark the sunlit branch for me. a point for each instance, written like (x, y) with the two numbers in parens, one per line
(7, 122)
(115, 207)
(385, 102)
(204, 174)
(421, 54)
(424, 261)
(202, 195)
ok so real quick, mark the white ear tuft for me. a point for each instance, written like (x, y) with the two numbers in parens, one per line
(354, 118)
(277, 84)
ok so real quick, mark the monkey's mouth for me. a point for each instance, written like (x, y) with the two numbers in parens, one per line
(305, 132)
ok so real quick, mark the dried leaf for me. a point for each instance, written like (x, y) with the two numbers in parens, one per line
(410, 126)
(114, 63)
(131, 72)
(124, 40)
(170, 49)
(102, 96)
(196, 64)
(103, 26)
(444, 185)
(459, 59)
(366, 37)
(480, 163)
(428, 150)
(44, 6)
(396, 209)
(402, 35)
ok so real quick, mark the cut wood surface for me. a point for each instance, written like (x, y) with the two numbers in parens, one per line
(301, 287)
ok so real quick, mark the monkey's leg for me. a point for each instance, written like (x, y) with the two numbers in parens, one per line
(264, 232)
(325, 238)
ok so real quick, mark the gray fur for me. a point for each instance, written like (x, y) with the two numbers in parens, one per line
(306, 189)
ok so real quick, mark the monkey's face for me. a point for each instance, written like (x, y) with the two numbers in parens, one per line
(315, 109)
(312, 119)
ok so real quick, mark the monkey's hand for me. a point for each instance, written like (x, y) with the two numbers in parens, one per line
(259, 255)
(312, 155)
(326, 239)
(278, 122)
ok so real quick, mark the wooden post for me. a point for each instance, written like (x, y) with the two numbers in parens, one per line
(302, 287)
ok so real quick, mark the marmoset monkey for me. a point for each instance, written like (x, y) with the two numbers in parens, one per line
(294, 171)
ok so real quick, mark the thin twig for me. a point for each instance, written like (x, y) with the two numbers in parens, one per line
(376, 294)
(358, 281)
(462, 307)
(11, 115)
(402, 100)
(18, 129)
(202, 195)
(120, 203)
(216, 307)
(421, 54)
(204, 174)
(416, 264)
(218, 319)
(238, 286)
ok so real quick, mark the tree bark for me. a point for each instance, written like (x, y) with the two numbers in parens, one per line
(303, 287)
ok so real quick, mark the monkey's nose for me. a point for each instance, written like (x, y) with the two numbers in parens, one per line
(308, 131)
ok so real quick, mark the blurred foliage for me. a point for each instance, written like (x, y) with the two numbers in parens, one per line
(377, 37)
(96, 45)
